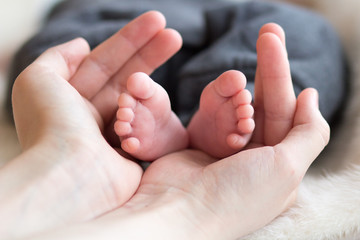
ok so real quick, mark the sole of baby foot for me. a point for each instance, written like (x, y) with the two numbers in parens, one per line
(223, 124)
(146, 125)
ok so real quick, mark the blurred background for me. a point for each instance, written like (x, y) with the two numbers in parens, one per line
(19, 19)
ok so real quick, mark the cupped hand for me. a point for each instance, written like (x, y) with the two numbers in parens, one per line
(141, 46)
(245, 191)
(63, 103)
(239, 194)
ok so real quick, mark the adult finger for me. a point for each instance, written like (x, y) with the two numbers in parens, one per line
(106, 59)
(275, 29)
(307, 139)
(158, 50)
(39, 91)
(276, 103)
(63, 59)
(258, 136)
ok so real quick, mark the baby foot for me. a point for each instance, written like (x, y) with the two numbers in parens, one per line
(147, 127)
(223, 124)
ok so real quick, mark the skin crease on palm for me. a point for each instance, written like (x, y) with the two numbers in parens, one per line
(201, 194)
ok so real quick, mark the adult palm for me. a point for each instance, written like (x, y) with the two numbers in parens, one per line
(240, 193)
(61, 131)
(243, 192)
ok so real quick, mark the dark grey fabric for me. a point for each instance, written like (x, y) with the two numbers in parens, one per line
(217, 36)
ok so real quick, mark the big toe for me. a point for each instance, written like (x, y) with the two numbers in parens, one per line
(230, 83)
(141, 86)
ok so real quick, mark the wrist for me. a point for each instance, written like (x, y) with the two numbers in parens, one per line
(23, 182)
(164, 216)
(141, 218)
(49, 185)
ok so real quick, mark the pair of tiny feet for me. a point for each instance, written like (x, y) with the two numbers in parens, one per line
(149, 129)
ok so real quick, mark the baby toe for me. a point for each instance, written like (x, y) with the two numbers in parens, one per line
(230, 83)
(246, 126)
(130, 145)
(236, 141)
(243, 97)
(141, 86)
(122, 128)
(244, 111)
(125, 114)
(126, 101)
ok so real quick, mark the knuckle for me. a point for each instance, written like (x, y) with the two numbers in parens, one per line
(288, 168)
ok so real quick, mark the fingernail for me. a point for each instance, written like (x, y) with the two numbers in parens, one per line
(315, 98)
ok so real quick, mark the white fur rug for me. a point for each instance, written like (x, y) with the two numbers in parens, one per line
(328, 206)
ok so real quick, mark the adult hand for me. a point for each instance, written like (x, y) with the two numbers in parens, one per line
(249, 189)
(68, 172)
(239, 194)
(189, 195)
(141, 46)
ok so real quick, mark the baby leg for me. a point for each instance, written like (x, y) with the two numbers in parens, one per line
(146, 125)
(223, 124)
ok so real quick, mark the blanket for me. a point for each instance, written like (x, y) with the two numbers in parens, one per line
(217, 35)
